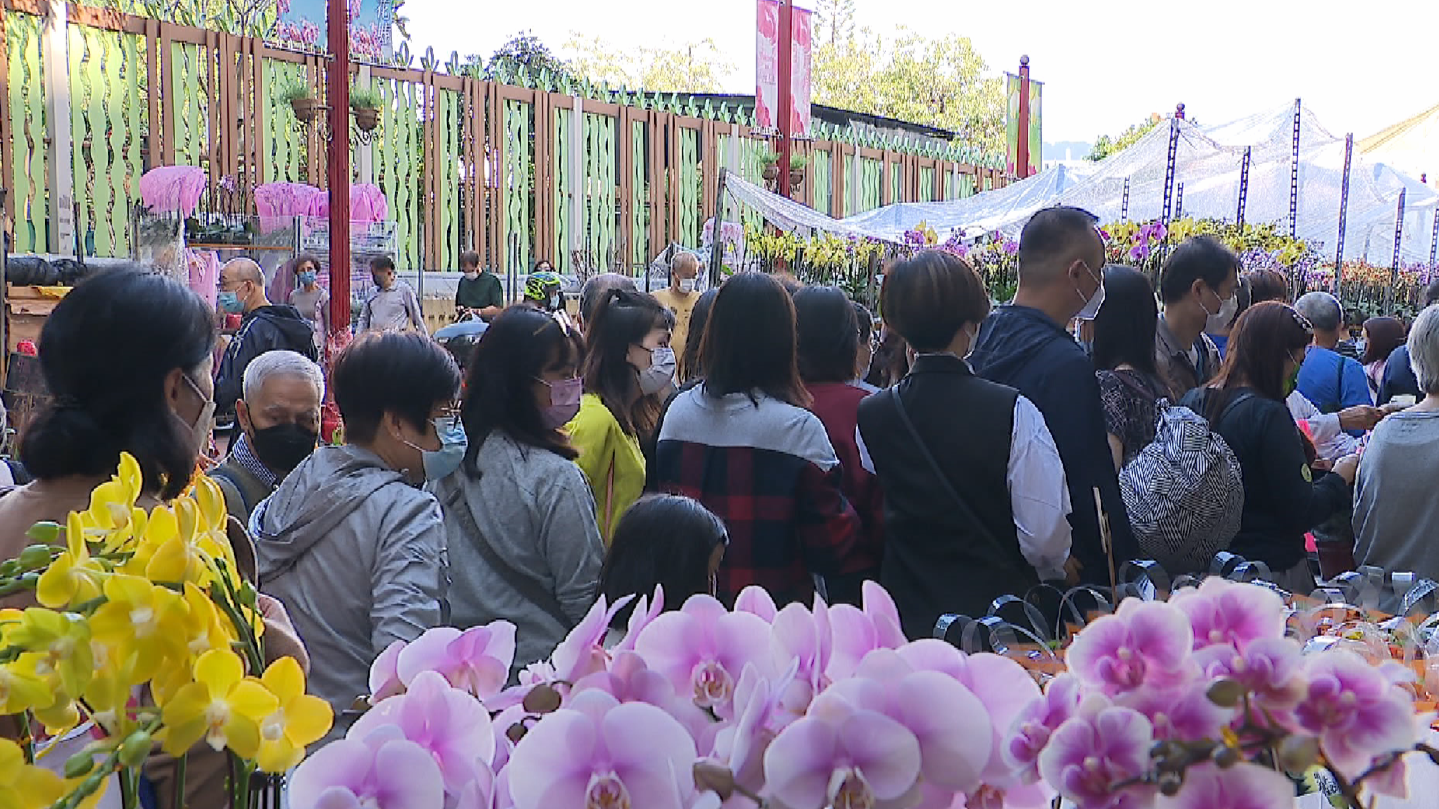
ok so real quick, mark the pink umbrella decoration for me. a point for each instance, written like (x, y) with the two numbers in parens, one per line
(276, 203)
(367, 205)
(172, 189)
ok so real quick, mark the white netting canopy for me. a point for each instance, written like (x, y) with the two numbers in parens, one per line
(1208, 161)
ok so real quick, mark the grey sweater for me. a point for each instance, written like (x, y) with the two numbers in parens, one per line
(535, 510)
(1395, 510)
(356, 554)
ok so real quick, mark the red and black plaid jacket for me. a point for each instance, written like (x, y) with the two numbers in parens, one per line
(768, 470)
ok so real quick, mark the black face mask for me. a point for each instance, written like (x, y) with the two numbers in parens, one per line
(282, 447)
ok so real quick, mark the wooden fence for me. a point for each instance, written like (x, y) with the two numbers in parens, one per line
(581, 175)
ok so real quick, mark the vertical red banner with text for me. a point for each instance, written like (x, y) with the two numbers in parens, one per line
(766, 72)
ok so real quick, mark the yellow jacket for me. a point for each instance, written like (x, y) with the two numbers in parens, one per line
(611, 460)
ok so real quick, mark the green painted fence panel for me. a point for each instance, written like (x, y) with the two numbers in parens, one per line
(640, 214)
(517, 184)
(870, 182)
(848, 185)
(926, 185)
(188, 92)
(560, 147)
(397, 154)
(820, 170)
(690, 188)
(599, 191)
(26, 110)
(286, 161)
(106, 127)
(896, 183)
(449, 169)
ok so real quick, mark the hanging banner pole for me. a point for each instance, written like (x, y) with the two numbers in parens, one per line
(786, 91)
(1243, 187)
(1398, 241)
(1022, 153)
(1434, 243)
(1169, 164)
(1124, 203)
(1179, 201)
(1294, 173)
(1343, 210)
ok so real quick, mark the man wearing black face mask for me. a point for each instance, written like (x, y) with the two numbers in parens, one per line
(279, 424)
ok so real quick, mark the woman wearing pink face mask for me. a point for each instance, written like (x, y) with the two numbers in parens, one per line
(523, 539)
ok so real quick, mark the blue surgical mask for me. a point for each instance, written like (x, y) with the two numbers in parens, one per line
(442, 462)
(307, 278)
(230, 302)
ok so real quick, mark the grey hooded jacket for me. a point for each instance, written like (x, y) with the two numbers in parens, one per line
(357, 555)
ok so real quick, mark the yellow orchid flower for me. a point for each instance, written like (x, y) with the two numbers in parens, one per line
(57, 647)
(25, 786)
(160, 528)
(74, 577)
(300, 721)
(221, 706)
(142, 620)
(108, 695)
(21, 689)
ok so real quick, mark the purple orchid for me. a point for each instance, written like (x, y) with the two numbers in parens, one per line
(1243, 786)
(1271, 670)
(1034, 726)
(476, 660)
(645, 611)
(1222, 611)
(628, 679)
(1144, 643)
(1097, 749)
(383, 772)
(756, 601)
(856, 633)
(385, 674)
(452, 727)
(1356, 711)
(702, 649)
(1183, 712)
(842, 757)
(1011, 247)
(597, 753)
(804, 637)
(582, 652)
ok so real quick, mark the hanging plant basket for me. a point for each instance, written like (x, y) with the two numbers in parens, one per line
(796, 178)
(366, 119)
(771, 173)
(306, 108)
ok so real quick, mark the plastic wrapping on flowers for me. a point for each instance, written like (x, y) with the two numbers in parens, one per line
(820, 259)
(1201, 701)
(146, 631)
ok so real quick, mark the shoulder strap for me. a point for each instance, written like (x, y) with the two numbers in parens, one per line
(532, 590)
(1241, 396)
(965, 511)
(1339, 386)
(225, 476)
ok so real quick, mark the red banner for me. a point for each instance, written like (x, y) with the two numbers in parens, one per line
(766, 72)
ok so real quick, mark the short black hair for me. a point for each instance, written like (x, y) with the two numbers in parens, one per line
(405, 373)
(1202, 258)
(520, 345)
(105, 352)
(1125, 326)
(596, 289)
(469, 258)
(749, 342)
(306, 258)
(665, 540)
(929, 297)
(866, 320)
(382, 263)
(1267, 285)
(828, 335)
(1053, 233)
(1431, 293)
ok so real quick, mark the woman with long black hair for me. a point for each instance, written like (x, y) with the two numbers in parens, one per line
(1130, 384)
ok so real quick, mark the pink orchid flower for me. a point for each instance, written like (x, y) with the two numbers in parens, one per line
(856, 633)
(1226, 612)
(843, 757)
(804, 637)
(703, 649)
(582, 652)
(1034, 725)
(1243, 786)
(644, 613)
(382, 772)
(1100, 746)
(450, 725)
(385, 674)
(756, 601)
(1143, 643)
(1355, 710)
(476, 660)
(740, 746)
(1271, 670)
(629, 679)
(599, 754)
(1182, 712)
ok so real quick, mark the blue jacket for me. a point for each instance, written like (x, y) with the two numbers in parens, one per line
(1332, 381)
(1399, 378)
(1021, 347)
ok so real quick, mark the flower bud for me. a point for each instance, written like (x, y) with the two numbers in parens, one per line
(1298, 753)
(136, 748)
(716, 778)
(44, 532)
(515, 732)
(1225, 756)
(80, 764)
(35, 556)
(1170, 783)
(542, 699)
(1225, 693)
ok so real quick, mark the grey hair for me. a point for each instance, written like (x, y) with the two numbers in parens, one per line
(1322, 310)
(281, 363)
(1424, 349)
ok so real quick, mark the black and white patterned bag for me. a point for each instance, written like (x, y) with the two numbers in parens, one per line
(1183, 491)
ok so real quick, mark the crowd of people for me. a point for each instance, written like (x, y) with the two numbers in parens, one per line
(756, 433)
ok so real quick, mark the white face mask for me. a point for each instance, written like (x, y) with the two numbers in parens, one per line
(1218, 321)
(687, 285)
(472, 274)
(1093, 302)
(660, 373)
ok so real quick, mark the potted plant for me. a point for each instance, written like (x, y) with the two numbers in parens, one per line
(797, 164)
(365, 104)
(770, 161)
(301, 98)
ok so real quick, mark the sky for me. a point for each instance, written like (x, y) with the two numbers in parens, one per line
(1358, 67)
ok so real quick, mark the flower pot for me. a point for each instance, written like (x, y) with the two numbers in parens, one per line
(796, 178)
(305, 109)
(771, 173)
(366, 119)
